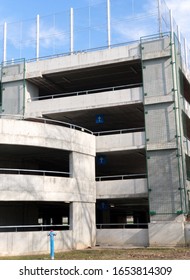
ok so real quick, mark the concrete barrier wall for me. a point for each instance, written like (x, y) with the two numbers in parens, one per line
(163, 234)
(120, 142)
(121, 188)
(122, 237)
(45, 188)
(16, 132)
(81, 60)
(84, 102)
(23, 243)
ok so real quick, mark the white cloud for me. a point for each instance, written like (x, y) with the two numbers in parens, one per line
(19, 37)
(181, 14)
(52, 35)
(132, 30)
(142, 21)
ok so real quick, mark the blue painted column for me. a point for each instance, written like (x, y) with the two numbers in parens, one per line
(51, 235)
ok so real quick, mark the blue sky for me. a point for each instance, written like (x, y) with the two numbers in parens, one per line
(13, 10)
(90, 24)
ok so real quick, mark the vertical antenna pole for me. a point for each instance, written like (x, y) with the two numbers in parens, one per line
(185, 51)
(37, 37)
(178, 34)
(5, 42)
(72, 30)
(171, 27)
(109, 23)
(159, 18)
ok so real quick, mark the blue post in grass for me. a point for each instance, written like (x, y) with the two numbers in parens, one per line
(51, 235)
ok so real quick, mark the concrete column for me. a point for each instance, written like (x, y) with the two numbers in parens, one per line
(82, 224)
(82, 166)
(82, 212)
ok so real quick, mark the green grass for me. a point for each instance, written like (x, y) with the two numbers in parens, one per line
(114, 254)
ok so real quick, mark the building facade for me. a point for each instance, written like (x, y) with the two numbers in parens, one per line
(96, 146)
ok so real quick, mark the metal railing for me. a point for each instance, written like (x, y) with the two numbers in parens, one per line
(41, 58)
(121, 225)
(46, 121)
(119, 131)
(34, 172)
(121, 177)
(85, 92)
(18, 228)
(72, 126)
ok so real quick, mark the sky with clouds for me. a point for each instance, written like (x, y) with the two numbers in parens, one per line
(130, 19)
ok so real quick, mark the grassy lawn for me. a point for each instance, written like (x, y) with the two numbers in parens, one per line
(114, 254)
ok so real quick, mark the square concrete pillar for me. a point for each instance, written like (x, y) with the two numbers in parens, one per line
(83, 225)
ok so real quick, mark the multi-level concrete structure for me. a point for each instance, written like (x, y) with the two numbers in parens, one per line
(97, 140)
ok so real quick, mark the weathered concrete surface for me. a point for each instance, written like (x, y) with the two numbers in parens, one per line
(45, 188)
(83, 225)
(163, 234)
(120, 142)
(84, 102)
(187, 234)
(83, 60)
(46, 135)
(24, 243)
(122, 237)
(122, 188)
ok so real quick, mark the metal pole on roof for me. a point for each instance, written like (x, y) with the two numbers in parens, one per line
(185, 51)
(178, 33)
(159, 18)
(171, 26)
(5, 42)
(72, 30)
(109, 22)
(37, 37)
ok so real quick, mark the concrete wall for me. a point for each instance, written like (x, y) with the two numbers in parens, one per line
(13, 89)
(163, 234)
(187, 234)
(45, 188)
(84, 102)
(82, 60)
(160, 125)
(79, 189)
(13, 98)
(82, 166)
(45, 135)
(23, 243)
(122, 237)
(120, 142)
(122, 188)
(31, 91)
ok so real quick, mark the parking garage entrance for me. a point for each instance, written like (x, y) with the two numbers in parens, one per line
(122, 213)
